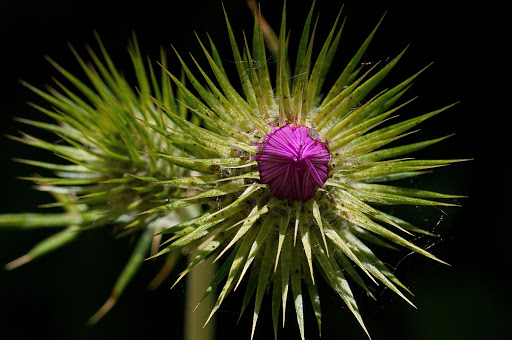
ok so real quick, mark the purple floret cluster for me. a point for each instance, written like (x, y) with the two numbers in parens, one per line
(293, 161)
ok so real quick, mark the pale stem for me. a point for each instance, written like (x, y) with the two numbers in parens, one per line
(197, 281)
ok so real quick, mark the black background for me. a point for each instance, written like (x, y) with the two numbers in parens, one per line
(53, 297)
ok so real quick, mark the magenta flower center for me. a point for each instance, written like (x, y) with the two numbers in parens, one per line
(293, 162)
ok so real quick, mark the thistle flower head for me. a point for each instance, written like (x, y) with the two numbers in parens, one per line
(293, 162)
(102, 181)
(294, 173)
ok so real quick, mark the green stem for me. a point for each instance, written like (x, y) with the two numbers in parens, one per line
(197, 282)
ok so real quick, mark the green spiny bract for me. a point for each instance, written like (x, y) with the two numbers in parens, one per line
(262, 240)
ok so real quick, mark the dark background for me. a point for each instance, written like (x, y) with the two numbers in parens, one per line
(53, 297)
